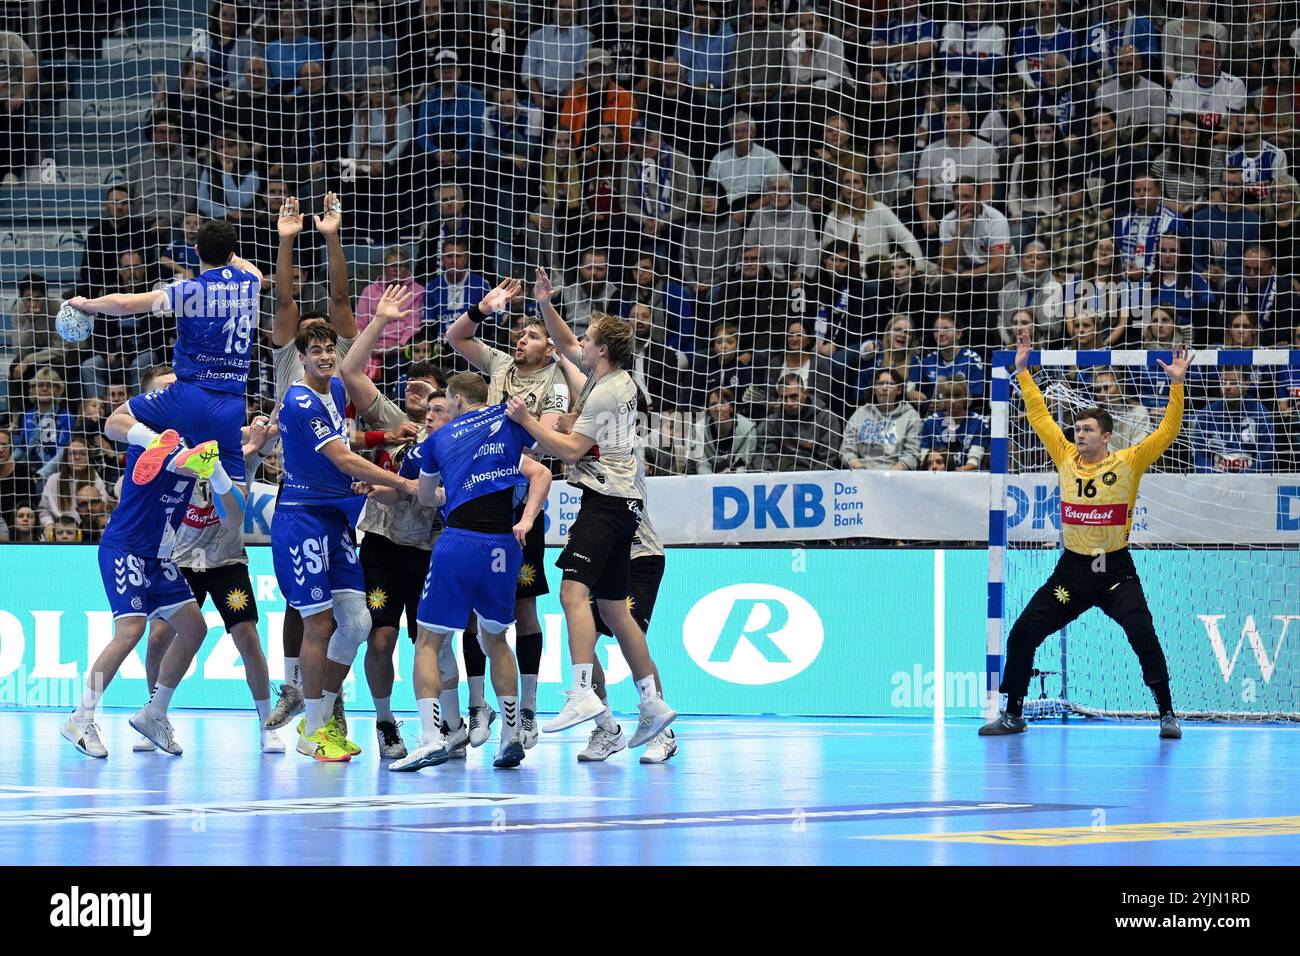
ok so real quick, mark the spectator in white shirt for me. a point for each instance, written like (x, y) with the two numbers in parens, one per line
(870, 228)
(744, 167)
(942, 164)
(785, 229)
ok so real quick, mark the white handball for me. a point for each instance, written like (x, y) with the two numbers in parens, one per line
(73, 325)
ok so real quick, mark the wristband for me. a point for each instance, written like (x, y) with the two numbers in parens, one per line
(375, 439)
(474, 314)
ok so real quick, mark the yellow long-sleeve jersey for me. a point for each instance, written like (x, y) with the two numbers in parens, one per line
(1097, 499)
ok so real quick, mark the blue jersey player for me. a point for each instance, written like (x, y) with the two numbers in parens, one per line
(142, 583)
(311, 537)
(216, 321)
(478, 458)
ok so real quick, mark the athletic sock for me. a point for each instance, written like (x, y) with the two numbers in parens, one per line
(1164, 700)
(291, 674)
(317, 714)
(606, 722)
(528, 652)
(89, 701)
(263, 709)
(646, 688)
(1015, 706)
(528, 691)
(449, 704)
(161, 699)
(582, 676)
(384, 710)
(140, 434)
(510, 714)
(476, 698)
(220, 481)
(328, 697)
(430, 720)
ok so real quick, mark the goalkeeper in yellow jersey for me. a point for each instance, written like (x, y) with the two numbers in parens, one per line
(1098, 489)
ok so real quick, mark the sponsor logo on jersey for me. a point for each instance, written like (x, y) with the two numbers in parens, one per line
(1094, 516)
(237, 600)
(377, 599)
(320, 428)
(1061, 594)
(1109, 478)
(527, 574)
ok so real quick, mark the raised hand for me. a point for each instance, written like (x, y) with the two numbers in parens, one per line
(500, 297)
(259, 432)
(1023, 348)
(1177, 369)
(290, 221)
(81, 303)
(393, 304)
(329, 225)
(542, 288)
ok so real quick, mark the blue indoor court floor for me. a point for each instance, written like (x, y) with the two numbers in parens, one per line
(744, 791)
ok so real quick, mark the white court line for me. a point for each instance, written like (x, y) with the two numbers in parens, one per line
(146, 813)
(13, 792)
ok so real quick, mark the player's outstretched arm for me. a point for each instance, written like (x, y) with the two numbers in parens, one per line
(285, 324)
(340, 308)
(539, 486)
(354, 466)
(463, 333)
(240, 263)
(1040, 418)
(566, 343)
(393, 304)
(568, 448)
(1154, 445)
(122, 303)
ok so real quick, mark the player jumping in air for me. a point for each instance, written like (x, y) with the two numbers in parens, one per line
(478, 456)
(532, 376)
(142, 583)
(216, 320)
(312, 546)
(1098, 490)
(600, 453)
(209, 551)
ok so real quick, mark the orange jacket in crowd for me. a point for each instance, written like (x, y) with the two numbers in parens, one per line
(619, 111)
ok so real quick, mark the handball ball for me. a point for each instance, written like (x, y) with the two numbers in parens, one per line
(73, 325)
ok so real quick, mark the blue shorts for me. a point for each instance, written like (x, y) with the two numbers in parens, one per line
(141, 587)
(198, 414)
(470, 571)
(314, 557)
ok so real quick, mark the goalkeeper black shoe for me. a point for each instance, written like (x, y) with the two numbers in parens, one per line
(1003, 725)
(1170, 729)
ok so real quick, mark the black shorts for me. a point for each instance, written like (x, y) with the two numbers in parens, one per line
(647, 572)
(1083, 581)
(231, 590)
(532, 573)
(395, 576)
(599, 552)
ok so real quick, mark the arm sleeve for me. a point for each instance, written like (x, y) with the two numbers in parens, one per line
(1040, 419)
(1144, 454)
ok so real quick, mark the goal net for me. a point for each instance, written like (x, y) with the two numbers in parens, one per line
(820, 217)
(1212, 539)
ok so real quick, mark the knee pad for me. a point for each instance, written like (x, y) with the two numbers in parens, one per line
(351, 626)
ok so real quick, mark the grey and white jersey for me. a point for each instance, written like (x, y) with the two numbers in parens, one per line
(406, 522)
(607, 415)
(543, 391)
(647, 542)
(202, 541)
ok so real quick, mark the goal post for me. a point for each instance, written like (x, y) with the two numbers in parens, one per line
(1216, 536)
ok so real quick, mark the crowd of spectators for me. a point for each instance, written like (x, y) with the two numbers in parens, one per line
(821, 218)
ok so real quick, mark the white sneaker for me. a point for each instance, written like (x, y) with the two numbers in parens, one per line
(655, 718)
(660, 749)
(510, 754)
(426, 755)
(456, 740)
(158, 729)
(391, 745)
(601, 745)
(528, 728)
(143, 746)
(271, 742)
(480, 724)
(581, 706)
(85, 737)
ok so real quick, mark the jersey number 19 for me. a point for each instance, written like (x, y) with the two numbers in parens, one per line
(238, 332)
